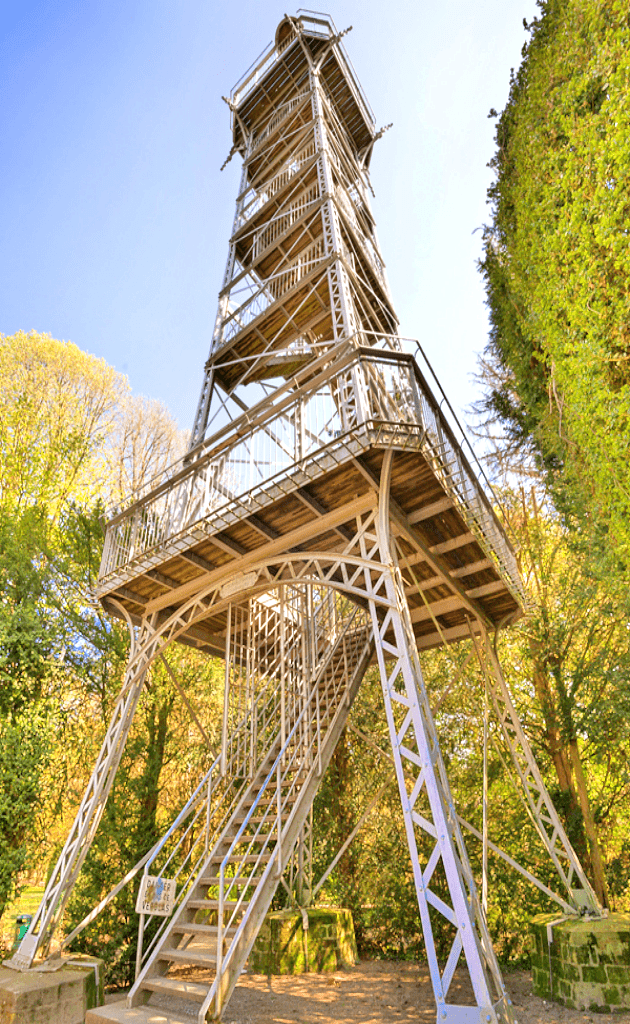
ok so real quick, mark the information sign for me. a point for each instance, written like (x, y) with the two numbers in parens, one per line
(156, 896)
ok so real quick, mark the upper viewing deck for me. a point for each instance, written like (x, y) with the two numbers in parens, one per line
(257, 98)
(294, 469)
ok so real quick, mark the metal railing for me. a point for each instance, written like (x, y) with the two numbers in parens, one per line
(280, 224)
(257, 848)
(186, 850)
(282, 112)
(272, 289)
(339, 405)
(257, 196)
(365, 243)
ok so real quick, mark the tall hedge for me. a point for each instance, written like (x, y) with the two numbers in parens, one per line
(557, 262)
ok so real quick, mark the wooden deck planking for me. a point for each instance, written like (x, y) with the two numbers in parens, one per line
(414, 487)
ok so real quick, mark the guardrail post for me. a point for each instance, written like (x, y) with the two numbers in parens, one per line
(220, 928)
(208, 801)
(226, 693)
(279, 817)
(139, 949)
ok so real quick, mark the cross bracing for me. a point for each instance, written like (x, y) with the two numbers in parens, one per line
(324, 519)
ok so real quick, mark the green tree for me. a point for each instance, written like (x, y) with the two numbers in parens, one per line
(25, 742)
(569, 662)
(557, 266)
(56, 408)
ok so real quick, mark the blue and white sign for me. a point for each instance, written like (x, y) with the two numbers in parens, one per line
(156, 896)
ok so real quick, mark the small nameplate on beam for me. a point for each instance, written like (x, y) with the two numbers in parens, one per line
(243, 581)
(156, 896)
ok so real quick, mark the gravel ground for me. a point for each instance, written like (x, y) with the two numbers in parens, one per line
(376, 992)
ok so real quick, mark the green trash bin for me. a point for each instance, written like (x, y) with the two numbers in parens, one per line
(22, 924)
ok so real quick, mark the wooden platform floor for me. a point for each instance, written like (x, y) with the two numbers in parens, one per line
(451, 575)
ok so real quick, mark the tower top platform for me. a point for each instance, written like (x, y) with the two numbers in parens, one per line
(261, 92)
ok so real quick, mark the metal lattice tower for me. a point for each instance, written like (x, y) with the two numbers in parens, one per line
(324, 518)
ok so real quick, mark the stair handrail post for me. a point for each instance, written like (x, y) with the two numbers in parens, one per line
(140, 944)
(283, 669)
(220, 934)
(279, 815)
(319, 730)
(226, 692)
(208, 803)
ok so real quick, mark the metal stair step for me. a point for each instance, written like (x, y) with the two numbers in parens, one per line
(120, 1013)
(266, 799)
(261, 838)
(248, 858)
(212, 904)
(204, 957)
(175, 987)
(243, 881)
(183, 928)
(268, 818)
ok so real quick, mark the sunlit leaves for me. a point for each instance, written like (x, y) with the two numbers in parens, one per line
(557, 263)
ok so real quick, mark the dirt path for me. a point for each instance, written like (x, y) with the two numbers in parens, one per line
(378, 992)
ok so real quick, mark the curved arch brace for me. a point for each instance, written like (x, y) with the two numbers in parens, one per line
(310, 568)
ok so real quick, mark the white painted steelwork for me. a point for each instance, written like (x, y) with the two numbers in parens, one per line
(307, 387)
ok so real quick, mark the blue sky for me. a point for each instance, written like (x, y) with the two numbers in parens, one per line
(115, 216)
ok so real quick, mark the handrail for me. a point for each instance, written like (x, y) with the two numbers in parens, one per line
(291, 759)
(231, 473)
(222, 812)
(279, 772)
(279, 115)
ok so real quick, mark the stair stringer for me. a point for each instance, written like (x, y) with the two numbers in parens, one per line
(240, 946)
(152, 967)
(156, 967)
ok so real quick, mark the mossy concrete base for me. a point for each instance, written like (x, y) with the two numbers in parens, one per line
(284, 947)
(587, 964)
(51, 995)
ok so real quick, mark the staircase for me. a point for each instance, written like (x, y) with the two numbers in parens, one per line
(231, 868)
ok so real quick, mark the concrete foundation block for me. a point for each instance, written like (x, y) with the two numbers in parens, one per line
(587, 964)
(62, 995)
(283, 947)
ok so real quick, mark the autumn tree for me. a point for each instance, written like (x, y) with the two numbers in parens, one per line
(72, 440)
(569, 661)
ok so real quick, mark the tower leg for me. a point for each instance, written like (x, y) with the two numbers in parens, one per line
(37, 939)
(537, 798)
(428, 808)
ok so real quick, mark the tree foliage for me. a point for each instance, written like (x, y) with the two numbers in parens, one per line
(557, 265)
(569, 662)
(71, 438)
(62, 661)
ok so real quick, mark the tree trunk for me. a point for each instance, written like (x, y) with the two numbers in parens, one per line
(561, 760)
(597, 864)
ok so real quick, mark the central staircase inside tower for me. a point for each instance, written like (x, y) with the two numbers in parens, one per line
(231, 843)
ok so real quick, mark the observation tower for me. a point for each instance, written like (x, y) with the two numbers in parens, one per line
(325, 519)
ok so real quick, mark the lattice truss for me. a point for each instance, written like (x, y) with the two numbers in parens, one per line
(334, 524)
(304, 268)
